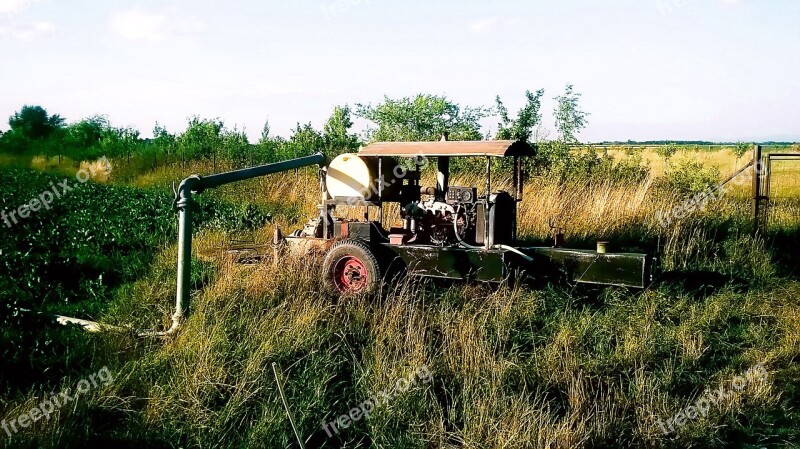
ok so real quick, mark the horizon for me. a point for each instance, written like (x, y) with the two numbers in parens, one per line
(672, 70)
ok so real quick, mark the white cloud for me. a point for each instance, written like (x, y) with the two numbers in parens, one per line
(154, 26)
(26, 31)
(484, 25)
(13, 6)
(490, 23)
(21, 31)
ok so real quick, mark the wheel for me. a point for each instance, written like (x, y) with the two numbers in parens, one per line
(350, 268)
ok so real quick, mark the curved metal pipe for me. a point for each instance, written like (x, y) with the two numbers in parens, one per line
(184, 201)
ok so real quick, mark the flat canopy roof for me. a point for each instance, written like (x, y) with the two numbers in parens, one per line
(496, 148)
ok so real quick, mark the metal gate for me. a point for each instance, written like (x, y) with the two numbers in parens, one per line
(763, 199)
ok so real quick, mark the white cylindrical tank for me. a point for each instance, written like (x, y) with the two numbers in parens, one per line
(353, 176)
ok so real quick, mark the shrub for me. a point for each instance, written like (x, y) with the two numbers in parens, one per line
(690, 177)
(561, 161)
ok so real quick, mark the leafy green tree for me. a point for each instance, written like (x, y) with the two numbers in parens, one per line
(570, 120)
(304, 141)
(265, 131)
(33, 122)
(234, 146)
(82, 137)
(29, 127)
(268, 147)
(666, 152)
(528, 118)
(336, 132)
(422, 118)
(163, 141)
(201, 138)
(118, 142)
(740, 150)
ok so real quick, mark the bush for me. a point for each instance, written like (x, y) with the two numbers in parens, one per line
(632, 168)
(690, 177)
(561, 161)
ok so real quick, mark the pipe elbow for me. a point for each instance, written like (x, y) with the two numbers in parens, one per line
(190, 184)
(183, 196)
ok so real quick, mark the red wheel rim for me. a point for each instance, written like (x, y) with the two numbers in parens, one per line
(350, 274)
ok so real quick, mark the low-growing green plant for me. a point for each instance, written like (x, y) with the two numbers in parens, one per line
(690, 177)
(70, 258)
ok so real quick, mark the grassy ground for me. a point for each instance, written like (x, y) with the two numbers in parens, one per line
(558, 366)
(785, 175)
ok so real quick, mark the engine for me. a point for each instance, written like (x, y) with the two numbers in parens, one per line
(443, 222)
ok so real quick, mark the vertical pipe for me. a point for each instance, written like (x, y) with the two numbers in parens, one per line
(323, 204)
(183, 203)
(487, 231)
(518, 178)
(380, 190)
(517, 194)
(442, 177)
(767, 182)
(184, 257)
(488, 176)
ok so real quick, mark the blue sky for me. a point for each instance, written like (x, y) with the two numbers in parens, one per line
(647, 69)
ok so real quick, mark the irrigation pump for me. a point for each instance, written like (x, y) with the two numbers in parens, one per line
(443, 231)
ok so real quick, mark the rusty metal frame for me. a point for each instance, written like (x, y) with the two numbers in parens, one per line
(762, 182)
(444, 148)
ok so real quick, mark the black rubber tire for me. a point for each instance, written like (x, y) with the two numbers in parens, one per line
(349, 249)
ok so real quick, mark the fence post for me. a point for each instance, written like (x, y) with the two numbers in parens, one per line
(756, 188)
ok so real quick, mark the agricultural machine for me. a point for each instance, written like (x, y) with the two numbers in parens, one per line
(444, 231)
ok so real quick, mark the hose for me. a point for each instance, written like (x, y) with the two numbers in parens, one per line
(467, 245)
(514, 250)
(458, 236)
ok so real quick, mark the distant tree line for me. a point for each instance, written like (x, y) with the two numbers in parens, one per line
(33, 131)
(424, 117)
(685, 143)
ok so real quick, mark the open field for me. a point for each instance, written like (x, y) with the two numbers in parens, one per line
(356, 224)
(510, 366)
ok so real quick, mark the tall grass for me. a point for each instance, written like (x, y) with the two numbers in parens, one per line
(512, 366)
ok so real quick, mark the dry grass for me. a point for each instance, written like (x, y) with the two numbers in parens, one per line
(512, 367)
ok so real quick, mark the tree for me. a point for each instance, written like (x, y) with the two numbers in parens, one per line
(201, 138)
(304, 141)
(570, 120)
(235, 146)
(528, 118)
(30, 126)
(422, 118)
(666, 152)
(336, 132)
(118, 142)
(82, 136)
(740, 150)
(265, 131)
(268, 147)
(33, 122)
(163, 141)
